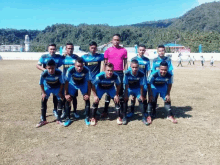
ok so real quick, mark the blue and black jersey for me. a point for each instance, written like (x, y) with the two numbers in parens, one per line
(68, 61)
(46, 57)
(102, 82)
(134, 81)
(158, 60)
(51, 81)
(93, 62)
(158, 81)
(144, 64)
(78, 79)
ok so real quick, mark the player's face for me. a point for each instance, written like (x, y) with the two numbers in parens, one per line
(161, 52)
(134, 68)
(79, 67)
(108, 71)
(116, 41)
(51, 69)
(69, 49)
(163, 70)
(141, 51)
(52, 50)
(93, 49)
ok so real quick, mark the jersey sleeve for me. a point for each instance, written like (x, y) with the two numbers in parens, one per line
(148, 66)
(106, 54)
(88, 76)
(41, 82)
(150, 79)
(142, 80)
(125, 54)
(96, 80)
(118, 81)
(41, 61)
(125, 79)
(102, 57)
(68, 75)
(170, 66)
(60, 62)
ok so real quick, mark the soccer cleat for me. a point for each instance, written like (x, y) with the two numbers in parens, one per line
(76, 115)
(55, 113)
(93, 122)
(87, 121)
(59, 122)
(149, 120)
(145, 121)
(172, 119)
(119, 121)
(41, 123)
(67, 122)
(130, 114)
(124, 121)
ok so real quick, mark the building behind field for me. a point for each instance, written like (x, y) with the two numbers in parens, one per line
(11, 48)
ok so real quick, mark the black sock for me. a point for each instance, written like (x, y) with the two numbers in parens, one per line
(87, 108)
(94, 109)
(125, 108)
(67, 109)
(60, 107)
(132, 105)
(43, 109)
(74, 103)
(107, 102)
(167, 106)
(141, 107)
(55, 102)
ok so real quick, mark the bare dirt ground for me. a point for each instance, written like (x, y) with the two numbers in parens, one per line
(194, 140)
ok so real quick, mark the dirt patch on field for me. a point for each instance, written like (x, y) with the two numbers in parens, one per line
(194, 140)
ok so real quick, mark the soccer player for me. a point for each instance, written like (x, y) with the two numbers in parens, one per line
(161, 83)
(144, 66)
(202, 60)
(51, 81)
(77, 77)
(116, 55)
(179, 61)
(193, 60)
(104, 83)
(156, 64)
(189, 60)
(68, 61)
(161, 57)
(42, 66)
(134, 81)
(93, 60)
(212, 61)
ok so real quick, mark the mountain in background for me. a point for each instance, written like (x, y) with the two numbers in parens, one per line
(205, 17)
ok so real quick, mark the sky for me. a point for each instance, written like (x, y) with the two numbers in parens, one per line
(37, 15)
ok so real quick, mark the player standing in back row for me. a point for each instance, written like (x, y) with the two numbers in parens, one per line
(116, 55)
(42, 66)
(156, 65)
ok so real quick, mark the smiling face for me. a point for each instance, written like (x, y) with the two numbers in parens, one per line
(161, 52)
(141, 51)
(163, 70)
(52, 50)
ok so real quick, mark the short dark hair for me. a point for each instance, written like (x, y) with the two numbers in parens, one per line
(51, 62)
(161, 46)
(142, 45)
(52, 45)
(69, 43)
(117, 35)
(79, 60)
(164, 63)
(93, 43)
(134, 61)
(110, 65)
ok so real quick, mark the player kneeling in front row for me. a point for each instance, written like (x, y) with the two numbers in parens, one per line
(134, 81)
(77, 77)
(51, 81)
(104, 83)
(161, 83)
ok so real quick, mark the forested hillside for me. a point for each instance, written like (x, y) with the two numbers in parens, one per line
(198, 26)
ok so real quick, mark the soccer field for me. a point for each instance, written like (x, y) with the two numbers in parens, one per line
(194, 140)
